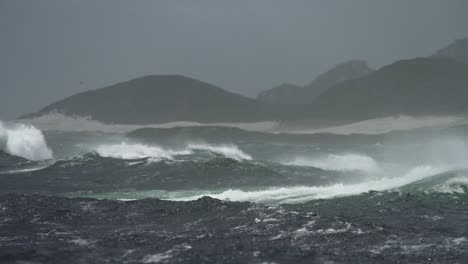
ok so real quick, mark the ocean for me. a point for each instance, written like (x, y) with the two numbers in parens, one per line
(210, 194)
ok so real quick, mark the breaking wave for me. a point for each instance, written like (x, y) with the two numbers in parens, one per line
(300, 194)
(136, 151)
(458, 184)
(139, 151)
(342, 162)
(229, 151)
(24, 141)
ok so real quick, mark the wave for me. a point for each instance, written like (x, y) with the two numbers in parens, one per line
(447, 182)
(413, 181)
(300, 194)
(25, 170)
(24, 141)
(134, 151)
(229, 151)
(131, 151)
(458, 184)
(339, 162)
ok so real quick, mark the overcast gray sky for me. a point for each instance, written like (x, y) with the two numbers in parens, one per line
(53, 49)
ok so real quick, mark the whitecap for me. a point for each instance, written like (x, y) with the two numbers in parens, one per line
(228, 150)
(338, 162)
(24, 141)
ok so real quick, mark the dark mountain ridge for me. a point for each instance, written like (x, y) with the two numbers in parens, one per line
(294, 94)
(418, 86)
(457, 50)
(164, 98)
(286, 93)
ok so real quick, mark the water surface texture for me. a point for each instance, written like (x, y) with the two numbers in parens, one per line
(220, 194)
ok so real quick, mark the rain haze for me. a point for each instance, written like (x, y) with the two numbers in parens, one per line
(53, 49)
(243, 131)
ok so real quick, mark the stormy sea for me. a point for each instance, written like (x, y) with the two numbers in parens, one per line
(211, 194)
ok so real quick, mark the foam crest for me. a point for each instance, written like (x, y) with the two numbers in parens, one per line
(342, 162)
(24, 141)
(457, 184)
(130, 151)
(229, 151)
(301, 194)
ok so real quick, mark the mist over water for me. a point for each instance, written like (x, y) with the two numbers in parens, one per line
(331, 132)
(339, 162)
(242, 170)
(356, 192)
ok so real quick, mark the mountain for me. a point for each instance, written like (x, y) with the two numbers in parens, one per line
(419, 86)
(285, 93)
(163, 98)
(458, 50)
(293, 94)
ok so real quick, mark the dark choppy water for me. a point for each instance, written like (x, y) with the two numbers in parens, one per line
(274, 198)
(369, 228)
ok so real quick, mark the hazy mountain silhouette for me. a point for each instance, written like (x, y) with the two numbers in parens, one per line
(164, 98)
(421, 86)
(457, 50)
(293, 94)
(286, 93)
(415, 86)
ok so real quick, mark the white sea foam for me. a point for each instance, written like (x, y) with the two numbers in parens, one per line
(136, 151)
(339, 162)
(457, 184)
(24, 141)
(229, 151)
(166, 256)
(131, 151)
(61, 122)
(385, 125)
(300, 194)
(18, 171)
